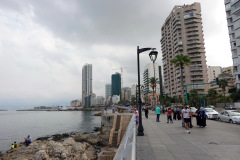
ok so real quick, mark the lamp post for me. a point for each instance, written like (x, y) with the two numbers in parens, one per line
(153, 56)
(140, 127)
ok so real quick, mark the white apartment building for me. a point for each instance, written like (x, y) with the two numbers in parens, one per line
(86, 84)
(108, 91)
(115, 99)
(100, 101)
(232, 8)
(147, 74)
(213, 72)
(182, 33)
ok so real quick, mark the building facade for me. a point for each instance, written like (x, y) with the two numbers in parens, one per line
(126, 93)
(108, 91)
(87, 84)
(182, 34)
(213, 72)
(149, 73)
(116, 85)
(232, 8)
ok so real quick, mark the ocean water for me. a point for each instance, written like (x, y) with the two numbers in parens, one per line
(16, 125)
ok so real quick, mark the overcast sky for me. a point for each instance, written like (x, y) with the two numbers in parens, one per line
(44, 44)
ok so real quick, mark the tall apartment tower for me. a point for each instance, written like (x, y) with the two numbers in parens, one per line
(108, 91)
(116, 85)
(147, 74)
(87, 84)
(182, 34)
(233, 21)
(213, 72)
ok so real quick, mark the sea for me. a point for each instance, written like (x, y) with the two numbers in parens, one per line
(17, 125)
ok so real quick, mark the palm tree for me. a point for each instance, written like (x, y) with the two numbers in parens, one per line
(223, 84)
(212, 96)
(194, 98)
(153, 83)
(181, 61)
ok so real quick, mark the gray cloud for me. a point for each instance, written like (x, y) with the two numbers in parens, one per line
(46, 43)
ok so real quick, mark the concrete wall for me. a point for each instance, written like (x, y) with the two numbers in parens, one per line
(106, 126)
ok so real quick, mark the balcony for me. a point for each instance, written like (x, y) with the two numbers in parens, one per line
(194, 55)
(195, 68)
(193, 41)
(192, 33)
(194, 46)
(191, 25)
(196, 73)
(196, 78)
(193, 20)
(192, 29)
(195, 50)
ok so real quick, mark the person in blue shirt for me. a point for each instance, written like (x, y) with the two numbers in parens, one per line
(158, 110)
(28, 140)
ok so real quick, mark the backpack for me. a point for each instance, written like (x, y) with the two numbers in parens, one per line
(203, 114)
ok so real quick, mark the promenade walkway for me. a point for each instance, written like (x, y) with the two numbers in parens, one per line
(166, 141)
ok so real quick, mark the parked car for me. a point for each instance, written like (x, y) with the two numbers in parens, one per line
(229, 116)
(210, 106)
(193, 110)
(230, 107)
(211, 113)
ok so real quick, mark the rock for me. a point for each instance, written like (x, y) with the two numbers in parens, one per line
(97, 114)
(96, 129)
(44, 150)
(41, 155)
(89, 138)
(42, 138)
(60, 137)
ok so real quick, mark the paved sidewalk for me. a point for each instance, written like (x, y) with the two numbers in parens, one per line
(166, 141)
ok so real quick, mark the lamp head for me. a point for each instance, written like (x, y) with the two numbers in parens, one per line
(153, 55)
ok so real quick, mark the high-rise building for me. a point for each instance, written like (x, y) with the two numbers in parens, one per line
(182, 34)
(116, 85)
(133, 91)
(213, 72)
(126, 93)
(108, 91)
(87, 84)
(147, 74)
(232, 8)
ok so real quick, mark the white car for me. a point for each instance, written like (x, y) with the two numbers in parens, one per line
(229, 116)
(211, 113)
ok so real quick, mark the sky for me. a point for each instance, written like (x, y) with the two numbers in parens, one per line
(44, 45)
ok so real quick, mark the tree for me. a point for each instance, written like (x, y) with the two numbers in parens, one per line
(153, 83)
(212, 96)
(223, 84)
(181, 61)
(194, 98)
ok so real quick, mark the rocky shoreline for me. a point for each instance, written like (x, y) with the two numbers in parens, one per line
(60, 146)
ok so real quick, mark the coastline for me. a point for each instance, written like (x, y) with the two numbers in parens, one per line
(75, 109)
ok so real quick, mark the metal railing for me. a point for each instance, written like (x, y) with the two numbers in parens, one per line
(127, 148)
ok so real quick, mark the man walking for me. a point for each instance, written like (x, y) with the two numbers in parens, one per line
(186, 115)
(169, 115)
(158, 110)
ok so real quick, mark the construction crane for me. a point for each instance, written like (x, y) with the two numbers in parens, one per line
(122, 68)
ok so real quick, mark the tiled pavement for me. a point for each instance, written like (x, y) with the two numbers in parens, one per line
(166, 141)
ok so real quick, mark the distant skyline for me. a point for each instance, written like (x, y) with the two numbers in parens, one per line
(44, 45)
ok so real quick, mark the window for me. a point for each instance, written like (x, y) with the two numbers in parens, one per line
(228, 6)
(235, 6)
(235, 61)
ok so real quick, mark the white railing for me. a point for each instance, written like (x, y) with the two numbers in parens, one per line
(128, 143)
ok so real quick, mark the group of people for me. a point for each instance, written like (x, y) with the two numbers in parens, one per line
(27, 141)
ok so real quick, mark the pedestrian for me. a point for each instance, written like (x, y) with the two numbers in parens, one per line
(15, 144)
(137, 116)
(146, 112)
(12, 146)
(198, 116)
(174, 114)
(169, 115)
(183, 123)
(186, 115)
(105, 110)
(158, 111)
(28, 140)
(178, 114)
(203, 117)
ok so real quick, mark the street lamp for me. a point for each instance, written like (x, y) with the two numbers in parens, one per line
(153, 56)
(140, 127)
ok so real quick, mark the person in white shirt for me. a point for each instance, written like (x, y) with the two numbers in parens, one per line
(186, 115)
